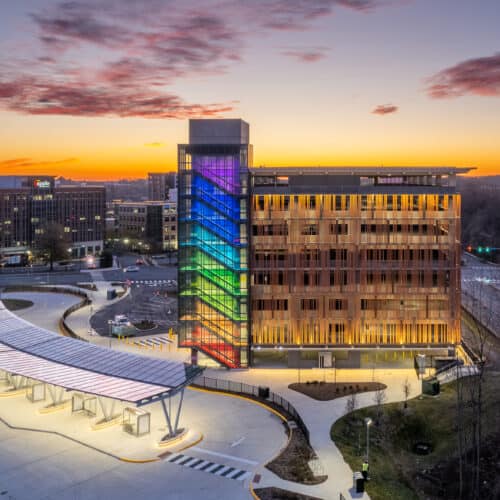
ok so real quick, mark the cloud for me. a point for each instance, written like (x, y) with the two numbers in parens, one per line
(480, 76)
(307, 55)
(385, 109)
(121, 58)
(15, 163)
(83, 99)
(154, 144)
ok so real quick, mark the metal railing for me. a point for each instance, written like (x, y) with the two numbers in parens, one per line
(252, 390)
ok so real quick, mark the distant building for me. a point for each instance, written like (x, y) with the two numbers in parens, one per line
(159, 185)
(314, 266)
(170, 226)
(27, 203)
(152, 223)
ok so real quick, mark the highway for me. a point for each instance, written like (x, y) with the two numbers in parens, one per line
(481, 291)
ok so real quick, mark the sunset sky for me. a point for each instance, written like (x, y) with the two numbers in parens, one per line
(103, 89)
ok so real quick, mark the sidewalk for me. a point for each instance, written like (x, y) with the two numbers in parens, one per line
(319, 416)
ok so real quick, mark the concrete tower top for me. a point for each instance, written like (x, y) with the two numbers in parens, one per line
(227, 131)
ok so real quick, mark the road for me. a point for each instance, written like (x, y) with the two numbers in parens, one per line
(34, 276)
(481, 290)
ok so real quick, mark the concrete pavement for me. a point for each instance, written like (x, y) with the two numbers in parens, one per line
(239, 437)
(317, 415)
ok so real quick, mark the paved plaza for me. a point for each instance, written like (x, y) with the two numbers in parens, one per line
(238, 436)
(68, 459)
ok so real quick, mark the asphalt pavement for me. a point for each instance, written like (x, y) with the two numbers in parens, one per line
(149, 300)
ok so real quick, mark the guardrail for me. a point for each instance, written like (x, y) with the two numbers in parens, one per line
(447, 367)
(252, 390)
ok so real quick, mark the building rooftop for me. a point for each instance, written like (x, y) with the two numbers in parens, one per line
(361, 170)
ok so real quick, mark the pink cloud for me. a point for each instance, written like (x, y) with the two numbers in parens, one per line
(385, 109)
(145, 47)
(479, 76)
(306, 55)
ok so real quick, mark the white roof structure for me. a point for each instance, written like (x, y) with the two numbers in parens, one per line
(76, 379)
(33, 352)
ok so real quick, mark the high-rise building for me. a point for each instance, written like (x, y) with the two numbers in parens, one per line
(360, 264)
(27, 203)
(160, 184)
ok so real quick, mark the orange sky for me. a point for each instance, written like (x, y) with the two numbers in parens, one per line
(353, 83)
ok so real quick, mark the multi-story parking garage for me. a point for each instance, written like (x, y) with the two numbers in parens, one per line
(313, 262)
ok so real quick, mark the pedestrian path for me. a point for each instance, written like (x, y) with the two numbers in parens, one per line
(153, 341)
(214, 468)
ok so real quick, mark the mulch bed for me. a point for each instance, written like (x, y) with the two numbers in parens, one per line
(326, 391)
(145, 325)
(292, 463)
(17, 304)
(279, 494)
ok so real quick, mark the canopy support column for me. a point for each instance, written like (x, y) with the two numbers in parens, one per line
(169, 414)
(56, 394)
(107, 410)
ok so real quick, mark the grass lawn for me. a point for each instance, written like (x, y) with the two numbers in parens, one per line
(396, 471)
(16, 304)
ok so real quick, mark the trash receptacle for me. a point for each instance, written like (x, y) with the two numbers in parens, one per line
(111, 294)
(263, 392)
(358, 482)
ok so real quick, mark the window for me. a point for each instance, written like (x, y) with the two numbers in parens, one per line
(310, 229)
(308, 304)
(332, 278)
(337, 304)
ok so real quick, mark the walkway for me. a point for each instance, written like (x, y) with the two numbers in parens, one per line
(319, 417)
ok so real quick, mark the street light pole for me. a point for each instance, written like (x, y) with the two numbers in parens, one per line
(110, 324)
(368, 422)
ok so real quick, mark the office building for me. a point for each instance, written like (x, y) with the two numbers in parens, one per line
(170, 226)
(27, 203)
(151, 224)
(160, 184)
(306, 264)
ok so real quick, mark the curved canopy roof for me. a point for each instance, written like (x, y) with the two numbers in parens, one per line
(34, 352)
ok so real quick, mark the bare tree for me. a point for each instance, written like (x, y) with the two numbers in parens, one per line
(379, 398)
(406, 392)
(52, 243)
(479, 319)
(351, 404)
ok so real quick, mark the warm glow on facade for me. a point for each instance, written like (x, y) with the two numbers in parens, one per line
(313, 258)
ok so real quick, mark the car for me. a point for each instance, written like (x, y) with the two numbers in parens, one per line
(130, 269)
(121, 320)
(139, 262)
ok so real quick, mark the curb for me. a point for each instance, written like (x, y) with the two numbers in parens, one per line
(237, 396)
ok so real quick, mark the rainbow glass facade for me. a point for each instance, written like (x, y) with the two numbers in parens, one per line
(213, 251)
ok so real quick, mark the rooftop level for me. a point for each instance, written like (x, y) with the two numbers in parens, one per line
(355, 179)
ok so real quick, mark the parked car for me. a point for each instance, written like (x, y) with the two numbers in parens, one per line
(130, 269)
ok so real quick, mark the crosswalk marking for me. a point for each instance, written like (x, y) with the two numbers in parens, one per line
(201, 465)
(216, 469)
(153, 341)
